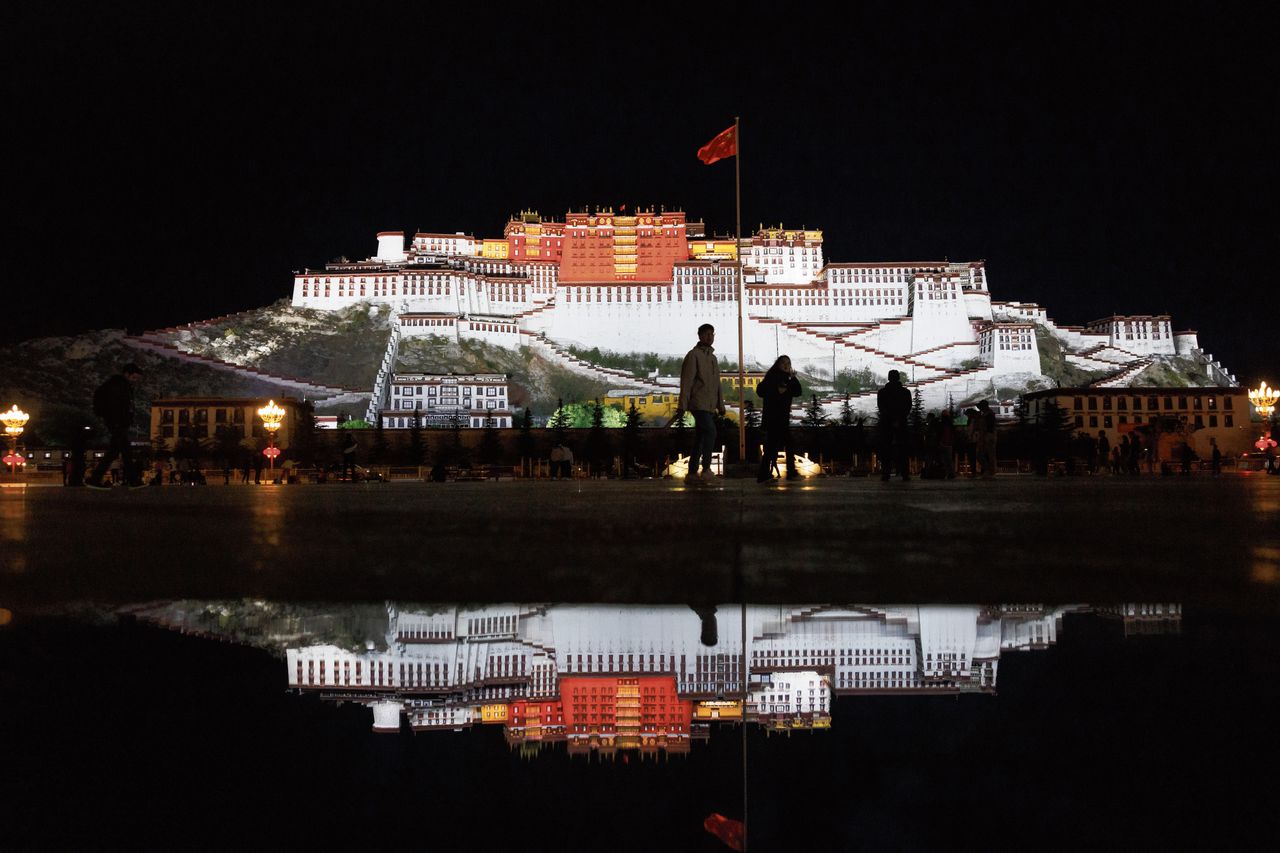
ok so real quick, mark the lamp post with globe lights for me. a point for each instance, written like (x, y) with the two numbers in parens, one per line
(272, 417)
(1263, 398)
(15, 420)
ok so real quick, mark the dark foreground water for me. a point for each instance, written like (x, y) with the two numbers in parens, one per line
(205, 725)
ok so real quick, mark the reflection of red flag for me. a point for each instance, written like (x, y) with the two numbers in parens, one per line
(727, 830)
(724, 145)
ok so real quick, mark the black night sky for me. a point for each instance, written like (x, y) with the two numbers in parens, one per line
(177, 164)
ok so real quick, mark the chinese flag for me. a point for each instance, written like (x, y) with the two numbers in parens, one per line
(728, 830)
(724, 145)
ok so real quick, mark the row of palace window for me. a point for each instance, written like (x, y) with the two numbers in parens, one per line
(1153, 403)
(1198, 421)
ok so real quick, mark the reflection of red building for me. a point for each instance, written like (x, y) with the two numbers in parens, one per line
(608, 247)
(607, 712)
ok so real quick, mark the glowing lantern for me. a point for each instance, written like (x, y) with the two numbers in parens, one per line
(15, 420)
(1264, 399)
(272, 417)
(1264, 442)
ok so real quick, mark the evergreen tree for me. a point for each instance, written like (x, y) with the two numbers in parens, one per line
(559, 420)
(527, 445)
(597, 442)
(681, 436)
(630, 440)
(1054, 429)
(416, 453)
(846, 412)
(915, 418)
(813, 414)
(380, 451)
(490, 446)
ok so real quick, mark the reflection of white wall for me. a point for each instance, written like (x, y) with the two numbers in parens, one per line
(444, 663)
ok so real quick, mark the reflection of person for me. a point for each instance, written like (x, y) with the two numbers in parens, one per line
(113, 402)
(893, 403)
(777, 389)
(561, 462)
(700, 396)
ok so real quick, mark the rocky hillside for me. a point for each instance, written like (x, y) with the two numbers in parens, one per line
(340, 348)
(535, 382)
(54, 378)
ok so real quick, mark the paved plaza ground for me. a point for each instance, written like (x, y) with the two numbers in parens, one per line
(1098, 539)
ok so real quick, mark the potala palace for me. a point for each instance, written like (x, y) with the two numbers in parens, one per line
(643, 283)
(601, 678)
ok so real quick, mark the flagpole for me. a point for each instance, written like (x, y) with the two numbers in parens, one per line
(742, 293)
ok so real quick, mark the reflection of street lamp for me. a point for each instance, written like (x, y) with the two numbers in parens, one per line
(1264, 399)
(14, 421)
(271, 415)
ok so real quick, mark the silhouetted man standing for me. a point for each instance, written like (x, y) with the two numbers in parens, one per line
(700, 396)
(894, 404)
(113, 402)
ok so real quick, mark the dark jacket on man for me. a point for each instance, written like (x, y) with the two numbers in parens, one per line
(113, 402)
(894, 404)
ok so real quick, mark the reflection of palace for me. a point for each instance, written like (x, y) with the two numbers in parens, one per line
(603, 677)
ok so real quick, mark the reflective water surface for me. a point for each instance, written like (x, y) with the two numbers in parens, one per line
(201, 724)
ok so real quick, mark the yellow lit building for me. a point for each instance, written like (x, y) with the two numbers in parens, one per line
(493, 713)
(204, 418)
(715, 249)
(650, 406)
(718, 709)
(497, 248)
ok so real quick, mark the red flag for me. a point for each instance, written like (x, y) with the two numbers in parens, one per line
(724, 145)
(726, 829)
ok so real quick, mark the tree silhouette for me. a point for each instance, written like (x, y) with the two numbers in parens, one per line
(813, 414)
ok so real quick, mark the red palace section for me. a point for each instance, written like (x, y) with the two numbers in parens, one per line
(608, 247)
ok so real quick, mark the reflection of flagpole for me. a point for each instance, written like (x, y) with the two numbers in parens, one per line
(742, 293)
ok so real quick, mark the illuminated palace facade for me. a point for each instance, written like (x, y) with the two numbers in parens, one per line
(644, 282)
(599, 677)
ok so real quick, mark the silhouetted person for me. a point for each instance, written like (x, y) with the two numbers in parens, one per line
(985, 440)
(113, 402)
(1215, 458)
(710, 633)
(75, 475)
(700, 396)
(946, 444)
(1104, 449)
(776, 390)
(349, 459)
(893, 402)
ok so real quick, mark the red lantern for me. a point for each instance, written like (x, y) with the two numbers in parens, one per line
(271, 452)
(15, 459)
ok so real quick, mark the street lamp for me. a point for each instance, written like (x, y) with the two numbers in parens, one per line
(1264, 399)
(15, 420)
(272, 416)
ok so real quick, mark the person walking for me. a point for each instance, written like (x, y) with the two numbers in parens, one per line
(946, 444)
(776, 391)
(985, 439)
(893, 402)
(700, 396)
(113, 402)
